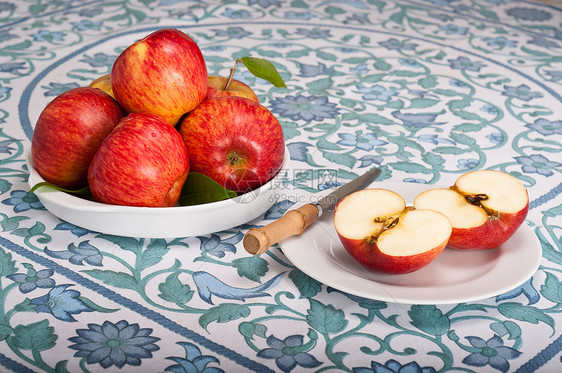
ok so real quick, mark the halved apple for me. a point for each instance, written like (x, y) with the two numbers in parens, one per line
(381, 233)
(485, 207)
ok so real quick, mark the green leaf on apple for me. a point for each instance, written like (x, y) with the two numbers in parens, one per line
(263, 69)
(199, 189)
(85, 190)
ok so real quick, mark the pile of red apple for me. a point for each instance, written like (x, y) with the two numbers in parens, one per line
(481, 211)
(134, 135)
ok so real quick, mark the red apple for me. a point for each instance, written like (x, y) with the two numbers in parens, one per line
(163, 73)
(216, 88)
(380, 232)
(68, 133)
(103, 83)
(485, 207)
(234, 141)
(143, 162)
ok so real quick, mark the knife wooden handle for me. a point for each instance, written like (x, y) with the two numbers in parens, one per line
(293, 223)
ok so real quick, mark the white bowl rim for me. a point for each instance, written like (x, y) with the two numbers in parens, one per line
(71, 202)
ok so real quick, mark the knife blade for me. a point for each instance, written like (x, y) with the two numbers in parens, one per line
(294, 222)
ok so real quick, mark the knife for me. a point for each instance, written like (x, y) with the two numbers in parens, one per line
(294, 222)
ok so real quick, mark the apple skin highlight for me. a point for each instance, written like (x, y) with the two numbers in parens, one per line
(68, 133)
(143, 162)
(163, 74)
(235, 141)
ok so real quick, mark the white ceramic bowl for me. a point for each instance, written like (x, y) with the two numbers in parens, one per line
(156, 222)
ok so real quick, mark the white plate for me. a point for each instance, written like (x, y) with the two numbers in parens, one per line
(455, 276)
(156, 222)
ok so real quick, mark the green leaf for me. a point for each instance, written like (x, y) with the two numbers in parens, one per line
(36, 8)
(429, 319)
(374, 78)
(5, 185)
(300, 4)
(549, 252)
(37, 336)
(428, 82)
(5, 331)
(307, 286)
(343, 102)
(270, 54)
(97, 307)
(433, 159)
(7, 264)
(199, 189)
(343, 159)
(458, 104)
(324, 144)
(252, 267)
(223, 313)
(552, 288)
(522, 312)
(297, 53)
(321, 84)
(405, 73)
(409, 167)
(119, 280)
(263, 69)
(333, 10)
(382, 65)
(326, 56)
(419, 103)
(60, 367)
(448, 150)
(506, 328)
(153, 253)
(81, 191)
(37, 229)
(467, 127)
(553, 212)
(325, 319)
(398, 17)
(355, 60)
(248, 329)
(140, 16)
(172, 290)
(12, 223)
(489, 14)
(462, 139)
(446, 92)
(466, 115)
(125, 243)
(404, 142)
(376, 119)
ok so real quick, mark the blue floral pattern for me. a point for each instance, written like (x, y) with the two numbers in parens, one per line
(491, 352)
(116, 344)
(289, 353)
(423, 89)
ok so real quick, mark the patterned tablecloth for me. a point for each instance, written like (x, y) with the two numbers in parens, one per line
(423, 89)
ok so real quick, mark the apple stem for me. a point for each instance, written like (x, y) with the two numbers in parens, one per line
(231, 76)
(233, 159)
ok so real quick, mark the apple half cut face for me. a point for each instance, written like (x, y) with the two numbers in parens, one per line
(380, 232)
(485, 207)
